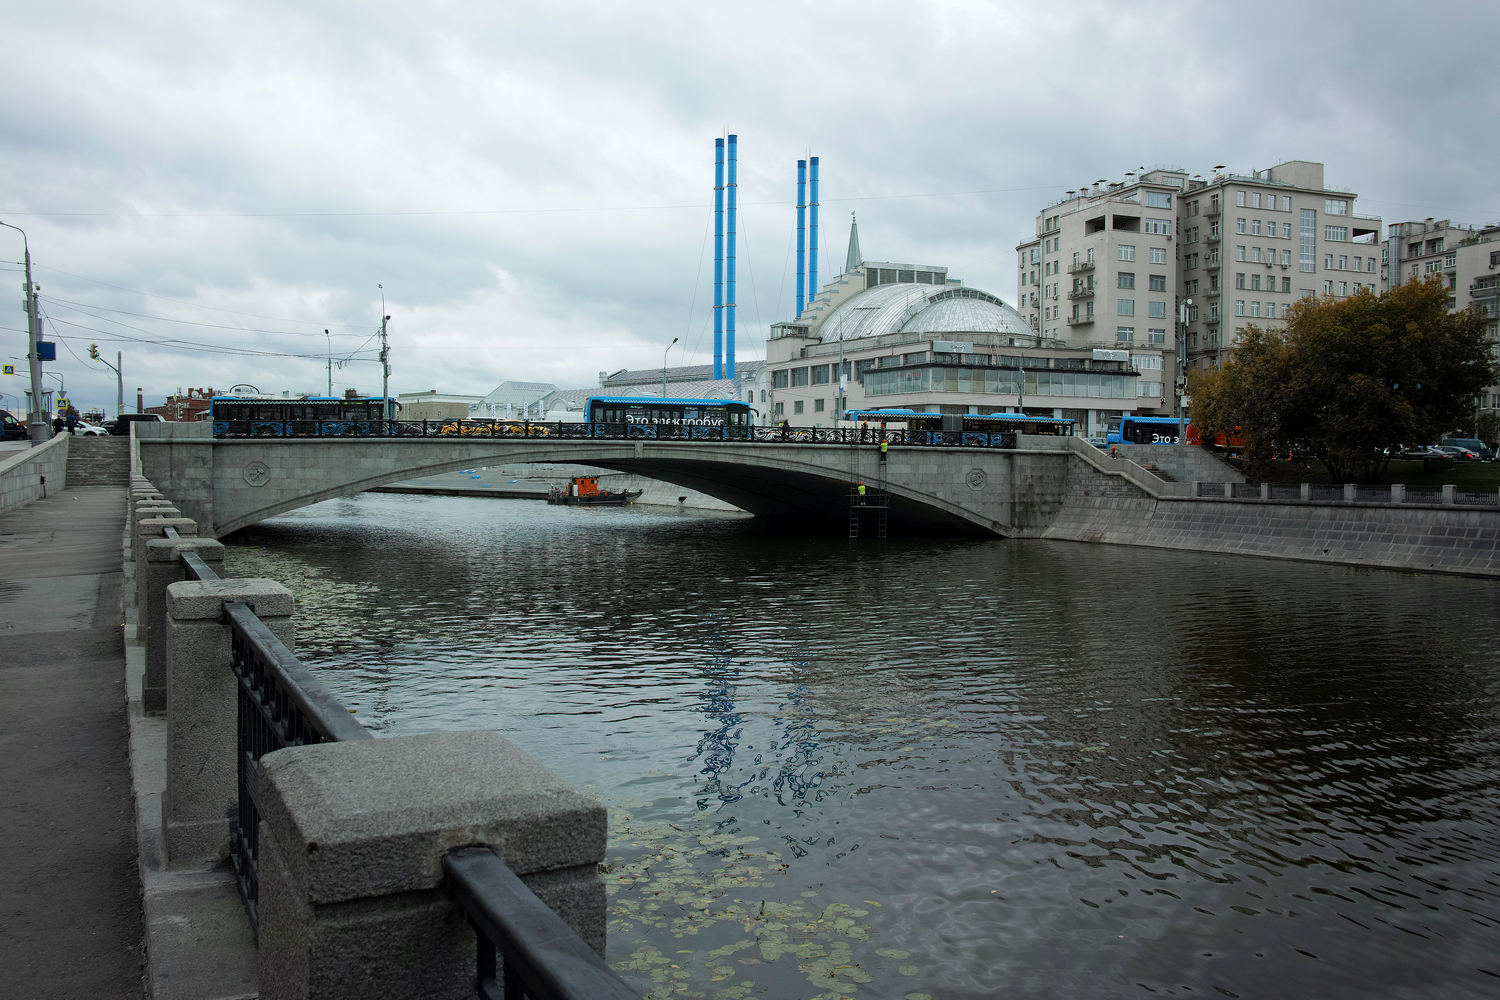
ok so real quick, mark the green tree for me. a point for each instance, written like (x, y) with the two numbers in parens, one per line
(1350, 380)
(1487, 427)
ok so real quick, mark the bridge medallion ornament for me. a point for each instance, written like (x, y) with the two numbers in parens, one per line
(257, 473)
(977, 478)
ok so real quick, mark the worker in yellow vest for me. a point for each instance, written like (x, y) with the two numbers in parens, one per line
(884, 444)
(861, 489)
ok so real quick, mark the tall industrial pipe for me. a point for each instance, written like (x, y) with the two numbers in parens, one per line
(718, 258)
(729, 304)
(812, 243)
(801, 234)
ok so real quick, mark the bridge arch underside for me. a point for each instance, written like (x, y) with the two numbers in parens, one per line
(797, 484)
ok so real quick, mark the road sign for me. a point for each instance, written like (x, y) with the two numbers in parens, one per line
(8, 369)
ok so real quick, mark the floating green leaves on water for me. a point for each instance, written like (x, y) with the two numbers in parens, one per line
(709, 887)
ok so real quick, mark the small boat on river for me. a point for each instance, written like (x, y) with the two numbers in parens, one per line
(584, 491)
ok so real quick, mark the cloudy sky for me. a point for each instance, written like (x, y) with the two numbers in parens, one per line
(208, 187)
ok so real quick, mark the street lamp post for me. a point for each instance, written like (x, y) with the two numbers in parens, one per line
(37, 429)
(664, 367)
(1179, 382)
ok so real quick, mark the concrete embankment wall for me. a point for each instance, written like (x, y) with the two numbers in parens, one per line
(21, 472)
(1423, 537)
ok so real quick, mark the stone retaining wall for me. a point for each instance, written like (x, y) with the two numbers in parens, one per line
(1422, 537)
(21, 473)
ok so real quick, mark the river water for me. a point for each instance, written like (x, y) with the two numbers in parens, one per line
(949, 769)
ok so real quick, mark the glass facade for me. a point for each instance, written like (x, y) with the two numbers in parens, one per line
(1045, 382)
(1308, 249)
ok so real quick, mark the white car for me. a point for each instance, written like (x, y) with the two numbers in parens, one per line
(87, 429)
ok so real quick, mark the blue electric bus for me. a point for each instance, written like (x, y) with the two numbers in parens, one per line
(324, 416)
(655, 416)
(1143, 430)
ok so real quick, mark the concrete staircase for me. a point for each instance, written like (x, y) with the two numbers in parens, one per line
(98, 461)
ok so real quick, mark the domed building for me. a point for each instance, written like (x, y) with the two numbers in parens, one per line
(909, 336)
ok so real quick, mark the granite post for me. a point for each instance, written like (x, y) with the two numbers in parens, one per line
(352, 899)
(203, 709)
(162, 568)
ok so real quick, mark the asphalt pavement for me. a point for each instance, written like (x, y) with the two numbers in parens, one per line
(70, 888)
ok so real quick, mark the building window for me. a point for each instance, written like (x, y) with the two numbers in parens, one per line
(817, 406)
(1125, 307)
(1158, 282)
(1308, 239)
(1125, 279)
(1343, 262)
(1156, 337)
(1127, 252)
(1125, 335)
(1158, 255)
(779, 379)
(1286, 284)
(1239, 225)
(1335, 206)
(1075, 260)
(819, 374)
(1156, 310)
(1286, 258)
(1239, 198)
(1239, 253)
(799, 377)
(914, 358)
(1451, 260)
(1254, 308)
(1255, 227)
(1255, 282)
(1158, 199)
(1286, 206)
(1328, 262)
(1327, 288)
(1336, 234)
(1255, 254)
(1343, 288)
(1239, 307)
(1161, 227)
(1370, 264)
(1239, 279)
(1255, 199)
(780, 409)
(797, 406)
(1286, 228)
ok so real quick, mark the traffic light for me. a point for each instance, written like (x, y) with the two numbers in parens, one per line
(94, 351)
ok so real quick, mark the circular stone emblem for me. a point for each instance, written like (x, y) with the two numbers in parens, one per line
(977, 479)
(257, 473)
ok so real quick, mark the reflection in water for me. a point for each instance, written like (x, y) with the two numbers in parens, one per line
(950, 768)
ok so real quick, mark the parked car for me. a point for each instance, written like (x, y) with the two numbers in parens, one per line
(1424, 453)
(124, 420)
(1099, 441)
(15, 430)
(89, 430)
(1478, 447)
(1455, 452)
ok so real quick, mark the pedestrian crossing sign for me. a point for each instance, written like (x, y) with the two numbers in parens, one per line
(9, 369)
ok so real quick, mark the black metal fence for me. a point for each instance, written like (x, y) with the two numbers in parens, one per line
(281, 704)
(541, 956)
(1324, 493)
(513, 429)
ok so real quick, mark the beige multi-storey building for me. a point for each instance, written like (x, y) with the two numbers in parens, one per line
(1468, 260)
(1162, 261)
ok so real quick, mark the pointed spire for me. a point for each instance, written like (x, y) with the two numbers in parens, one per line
(855, 258)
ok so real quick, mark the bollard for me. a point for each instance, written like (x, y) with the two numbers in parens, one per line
(1306, 493)
(1351, 492)
(1398, 493)
(352, 899)
(1450, 495)
(162, 568)
(1228, 491)
(1197, 488)
(1265, 491)
(203, 710)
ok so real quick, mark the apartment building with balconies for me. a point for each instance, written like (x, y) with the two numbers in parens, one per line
(1467, 258)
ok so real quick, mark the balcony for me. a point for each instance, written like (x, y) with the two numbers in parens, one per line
(1212, 211)
(1082, 293)
(1080, 267)
(1079, 321)
(1213, 293)
(1478, 291)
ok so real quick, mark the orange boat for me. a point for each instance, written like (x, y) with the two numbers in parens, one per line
(585, 491)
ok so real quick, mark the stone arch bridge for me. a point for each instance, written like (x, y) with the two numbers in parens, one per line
(226, 484)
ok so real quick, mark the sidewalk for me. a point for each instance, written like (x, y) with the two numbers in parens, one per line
(70, 892)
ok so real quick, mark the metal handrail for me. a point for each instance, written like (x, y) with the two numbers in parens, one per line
(542, 958)
(281, 704)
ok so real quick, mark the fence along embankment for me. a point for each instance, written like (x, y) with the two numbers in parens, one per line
(1115, 501)
(368, 867)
